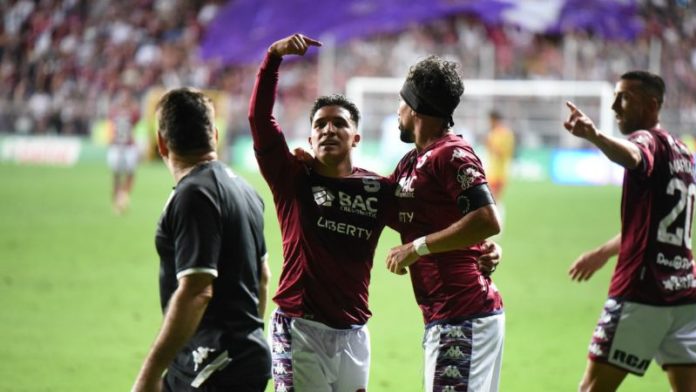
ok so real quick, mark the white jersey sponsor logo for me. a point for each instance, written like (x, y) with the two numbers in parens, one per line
(323, 196)
(366, 206)
(405, 187)
(344, 228)
(676, 283)
(677, 263)
(200, 355)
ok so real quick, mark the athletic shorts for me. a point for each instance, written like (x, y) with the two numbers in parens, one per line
(311, 357)
(464, 356)
(122, 158)
(629, 335)
(176, 384)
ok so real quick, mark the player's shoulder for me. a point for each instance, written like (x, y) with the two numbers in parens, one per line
(454, 147)
(644, 136)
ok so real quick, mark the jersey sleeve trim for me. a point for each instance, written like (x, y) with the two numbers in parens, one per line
(191, 271)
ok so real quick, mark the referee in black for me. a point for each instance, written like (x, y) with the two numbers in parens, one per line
(213, 270)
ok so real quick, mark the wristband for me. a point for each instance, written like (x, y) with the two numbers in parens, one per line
(421, 246)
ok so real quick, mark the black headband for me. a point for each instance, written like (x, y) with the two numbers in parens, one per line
(429, 107)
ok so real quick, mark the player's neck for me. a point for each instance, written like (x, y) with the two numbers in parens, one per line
(180, 166)
(341, 169)
(426, 137)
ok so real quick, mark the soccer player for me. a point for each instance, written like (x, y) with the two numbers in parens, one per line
(500, 145)
(446, 211)
(122, 155)
(331, 214)
(213, 268)
(651, 309)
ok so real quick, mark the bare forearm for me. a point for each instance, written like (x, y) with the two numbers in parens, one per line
(618, 150)
(471, 229)
(610, 248)
(180, 323)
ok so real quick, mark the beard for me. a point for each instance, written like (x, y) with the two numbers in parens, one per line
(406, 135)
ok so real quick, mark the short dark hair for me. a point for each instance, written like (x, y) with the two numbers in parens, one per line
(336, 100)
(438, 82)
(651, 83)
(186, 121)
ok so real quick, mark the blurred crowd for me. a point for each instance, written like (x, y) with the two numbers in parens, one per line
(62, 62)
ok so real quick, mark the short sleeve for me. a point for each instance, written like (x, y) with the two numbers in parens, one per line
(197, 228)
(645, 142)
(459, 169)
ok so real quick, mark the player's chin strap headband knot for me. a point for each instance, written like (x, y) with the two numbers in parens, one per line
(430, 106)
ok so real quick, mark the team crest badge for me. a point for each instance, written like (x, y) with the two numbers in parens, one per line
(466, 175)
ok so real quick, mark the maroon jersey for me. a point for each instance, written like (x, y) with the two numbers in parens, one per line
(655, 264)
(447, 285)
(330, 226)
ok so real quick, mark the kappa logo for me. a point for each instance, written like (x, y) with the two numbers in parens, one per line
(278, 348)
(323, 196)
(595, 349)
(452, 372)
(454, 352)
(200, 355)
(458, 153)
(448, 388)
(644, 139)
(600, 333)
(279, 369)
(455, 332)
(280, 387)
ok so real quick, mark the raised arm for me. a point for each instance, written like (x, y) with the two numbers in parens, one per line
(617, 150)
(265, 130)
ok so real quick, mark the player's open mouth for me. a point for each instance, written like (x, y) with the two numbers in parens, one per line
(328, 143)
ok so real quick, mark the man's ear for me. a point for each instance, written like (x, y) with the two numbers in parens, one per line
(356, 139)
(162, 145)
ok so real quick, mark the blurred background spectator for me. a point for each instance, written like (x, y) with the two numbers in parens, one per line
(62, 62)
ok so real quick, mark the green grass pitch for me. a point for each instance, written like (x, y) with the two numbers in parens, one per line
(78, 285)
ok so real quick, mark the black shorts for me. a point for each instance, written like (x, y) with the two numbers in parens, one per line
(175, 384)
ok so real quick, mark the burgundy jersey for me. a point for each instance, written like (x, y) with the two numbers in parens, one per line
(330, 226)
(447, 285)
(655, 264)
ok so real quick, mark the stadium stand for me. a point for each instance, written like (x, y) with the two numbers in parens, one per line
(63, 61)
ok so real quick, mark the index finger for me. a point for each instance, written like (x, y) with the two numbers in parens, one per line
(311, 41)
(572, 107)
